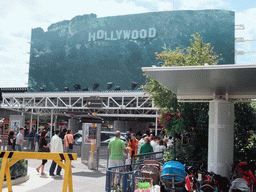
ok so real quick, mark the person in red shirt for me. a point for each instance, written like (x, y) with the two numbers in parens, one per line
(133, 145)
(151, 137)
(68, 142)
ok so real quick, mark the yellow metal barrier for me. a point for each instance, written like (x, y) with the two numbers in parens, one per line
(17, 155)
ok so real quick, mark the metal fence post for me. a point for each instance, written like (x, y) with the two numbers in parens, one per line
(108, 181)
(125, 182)
(98, 157)
(107, 157)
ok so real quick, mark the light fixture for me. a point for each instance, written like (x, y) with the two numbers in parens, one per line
(95, 86)
(109, 85)
(66, 89)
(77, 87)
(41, 89)
(117, 88)
(85, 89)
(14, 90)
(133, 85)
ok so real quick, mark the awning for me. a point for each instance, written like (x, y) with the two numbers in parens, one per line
(232, 81)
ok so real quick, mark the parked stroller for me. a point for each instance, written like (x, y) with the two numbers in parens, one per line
(239, 185)
(173, 176)
(243, 171)
(151, 169)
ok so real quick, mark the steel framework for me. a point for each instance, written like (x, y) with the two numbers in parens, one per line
(112, 103)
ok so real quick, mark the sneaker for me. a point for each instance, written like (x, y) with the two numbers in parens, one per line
(52, 175)
(59, 175)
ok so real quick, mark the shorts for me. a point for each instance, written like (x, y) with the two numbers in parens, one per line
(115, 163)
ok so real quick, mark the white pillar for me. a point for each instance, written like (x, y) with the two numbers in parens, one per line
(221, 137)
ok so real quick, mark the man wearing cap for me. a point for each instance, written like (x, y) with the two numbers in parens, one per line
(20, 139)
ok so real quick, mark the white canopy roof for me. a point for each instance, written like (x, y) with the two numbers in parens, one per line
(234, 81)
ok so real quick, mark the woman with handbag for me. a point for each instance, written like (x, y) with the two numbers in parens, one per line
(68, 142)
(10, 140)
(43, 147)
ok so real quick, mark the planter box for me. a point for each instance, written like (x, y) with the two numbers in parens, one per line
(19, 169)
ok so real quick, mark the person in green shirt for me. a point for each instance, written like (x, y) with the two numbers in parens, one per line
(116, 148)
(146, 147)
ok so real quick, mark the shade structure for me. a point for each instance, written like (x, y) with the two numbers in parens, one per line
(220, 84)
(235, 81)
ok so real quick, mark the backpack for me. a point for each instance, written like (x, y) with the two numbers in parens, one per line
(14, 143)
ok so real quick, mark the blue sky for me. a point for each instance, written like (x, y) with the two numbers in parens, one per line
(18, 17)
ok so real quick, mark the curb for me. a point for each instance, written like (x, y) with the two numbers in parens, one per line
(17, 181)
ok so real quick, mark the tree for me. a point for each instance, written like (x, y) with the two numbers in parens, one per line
(195, 115)
(245, 122)
(198, 53)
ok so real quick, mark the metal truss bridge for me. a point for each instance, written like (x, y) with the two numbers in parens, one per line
(133, 104)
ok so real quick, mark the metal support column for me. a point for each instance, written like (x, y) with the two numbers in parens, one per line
(37, 123)
(51, 123)
(156, 124)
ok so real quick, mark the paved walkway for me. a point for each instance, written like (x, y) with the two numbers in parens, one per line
(83, 179)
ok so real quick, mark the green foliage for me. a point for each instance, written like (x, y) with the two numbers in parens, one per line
(163, 98)
(18, 169)
(245, 122)
(198, 53)
(183, 153)
(195, 115)
(172, 122)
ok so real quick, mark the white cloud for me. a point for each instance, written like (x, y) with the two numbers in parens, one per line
(247, 18)
(156, 5)
(164, 6)
(201, 4)
(65, 10)
(18, 17)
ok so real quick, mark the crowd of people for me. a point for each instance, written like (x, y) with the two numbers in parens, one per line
(120, 154)
(59, 143)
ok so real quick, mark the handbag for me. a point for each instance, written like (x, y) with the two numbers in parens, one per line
(70, 145)
(44, 150)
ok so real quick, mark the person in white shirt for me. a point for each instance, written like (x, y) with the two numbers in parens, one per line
(154, 142)
(20, 139)
(170, 142)
(56, 146)
(159, 148)
(141, 141)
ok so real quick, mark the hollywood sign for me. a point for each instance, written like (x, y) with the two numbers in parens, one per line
(121, 34)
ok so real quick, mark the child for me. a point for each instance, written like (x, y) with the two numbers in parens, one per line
(128, 159)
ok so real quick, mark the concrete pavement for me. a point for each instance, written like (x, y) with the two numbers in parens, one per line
(83, 179)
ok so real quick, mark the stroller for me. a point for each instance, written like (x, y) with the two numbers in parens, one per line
(151, 169)
(243, 171)
(173, 176)
(239, 185)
